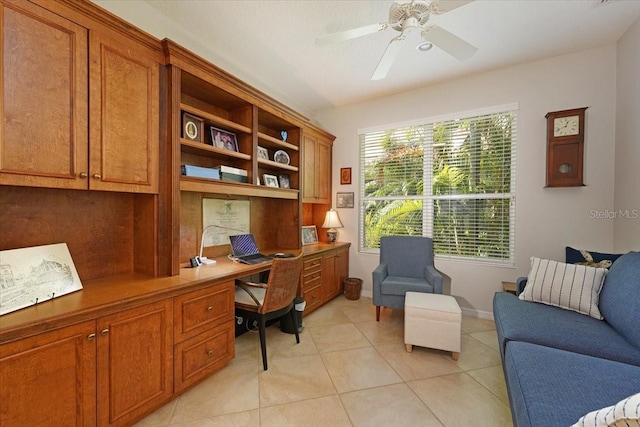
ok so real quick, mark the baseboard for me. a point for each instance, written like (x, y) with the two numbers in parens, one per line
(477, 313)
(465, 311)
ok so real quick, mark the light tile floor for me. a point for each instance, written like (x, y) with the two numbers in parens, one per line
(349, 370)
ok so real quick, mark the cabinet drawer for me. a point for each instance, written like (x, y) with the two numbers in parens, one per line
(313, 298)
(201, 310)
(203, 354)
(312, 264)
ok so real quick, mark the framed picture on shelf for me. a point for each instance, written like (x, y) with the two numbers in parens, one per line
(270, 180)
(284, 180)
(309, 235)
(281, 156)
(263, 153)
(192, 127)
(222, 139)
(345, 176)
(344, 200)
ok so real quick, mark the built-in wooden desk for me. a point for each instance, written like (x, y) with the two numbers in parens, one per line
(125, 345)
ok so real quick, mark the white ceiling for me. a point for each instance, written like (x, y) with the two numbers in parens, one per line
(270, 44)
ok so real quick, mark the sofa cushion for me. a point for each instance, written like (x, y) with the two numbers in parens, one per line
(542, 324)
(574, 256)
(570, 286)
(620, 297)
(625, 413)
(550, 387)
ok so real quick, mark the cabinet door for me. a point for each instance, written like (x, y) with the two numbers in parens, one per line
(330, 285)
(323, 172)
(124, 109)
(309, 172)
(43, 134)
(342, 267)
(135, 362)
(49, 379)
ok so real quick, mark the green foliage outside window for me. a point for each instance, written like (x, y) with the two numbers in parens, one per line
(449, 180)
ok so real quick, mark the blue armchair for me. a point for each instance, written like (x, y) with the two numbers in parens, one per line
(406, 265)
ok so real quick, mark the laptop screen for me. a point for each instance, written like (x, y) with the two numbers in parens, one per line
(243, 244)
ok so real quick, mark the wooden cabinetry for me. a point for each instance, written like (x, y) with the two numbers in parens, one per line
(108, 371)
(81, 107)
(135, 362)
(311, 282)
(335, 268)
(202, 90)
(50, 379)
(203, 333)
(323, 273)
(316, 184)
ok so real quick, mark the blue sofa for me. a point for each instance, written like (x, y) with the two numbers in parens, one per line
(559, 364)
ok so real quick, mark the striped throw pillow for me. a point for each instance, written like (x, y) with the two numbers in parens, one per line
(624, 413)
(569, 286)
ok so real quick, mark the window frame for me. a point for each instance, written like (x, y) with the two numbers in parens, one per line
(427, 198)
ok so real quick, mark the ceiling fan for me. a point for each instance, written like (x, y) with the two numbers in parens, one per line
(405, 16)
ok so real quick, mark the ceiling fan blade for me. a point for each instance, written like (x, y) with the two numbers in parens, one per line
(351, 34)
(390, 53)
(439, 7)
(449, 42)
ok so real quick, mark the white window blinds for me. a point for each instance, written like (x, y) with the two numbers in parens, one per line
(452, 180)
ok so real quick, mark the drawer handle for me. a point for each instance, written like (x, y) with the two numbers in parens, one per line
(209, 353)
(90, 337)
(209, 308)
(104, 332)
(83, 175)
(97, 176)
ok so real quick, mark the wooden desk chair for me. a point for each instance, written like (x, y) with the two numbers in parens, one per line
(263, 302)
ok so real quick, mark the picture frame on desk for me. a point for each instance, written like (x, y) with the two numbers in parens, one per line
(192, 127)
(309, 235)
(270, 180)
(220, 138)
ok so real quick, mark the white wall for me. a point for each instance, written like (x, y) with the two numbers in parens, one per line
(627, 176)
(547, 219)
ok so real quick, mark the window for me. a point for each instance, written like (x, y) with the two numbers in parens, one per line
(451, 179)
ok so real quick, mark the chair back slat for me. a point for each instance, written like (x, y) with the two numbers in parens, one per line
(283, 283)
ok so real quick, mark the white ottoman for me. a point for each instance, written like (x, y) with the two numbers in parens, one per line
(432, 320)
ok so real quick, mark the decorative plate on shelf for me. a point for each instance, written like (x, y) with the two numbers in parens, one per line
(281, 156)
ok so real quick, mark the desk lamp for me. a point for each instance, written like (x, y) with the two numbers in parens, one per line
(204, 260)
(332, 221)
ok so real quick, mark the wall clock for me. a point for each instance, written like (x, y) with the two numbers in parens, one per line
(565, 147)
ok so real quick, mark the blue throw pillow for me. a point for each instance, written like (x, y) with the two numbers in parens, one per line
(574, 256)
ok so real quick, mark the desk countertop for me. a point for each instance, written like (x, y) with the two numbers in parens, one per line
(108, 295)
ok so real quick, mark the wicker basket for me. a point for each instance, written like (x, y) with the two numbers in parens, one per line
(352, 288)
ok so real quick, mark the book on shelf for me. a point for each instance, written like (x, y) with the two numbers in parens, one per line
(228, 173)
(232, 170)
(225, 176)
(199, 172)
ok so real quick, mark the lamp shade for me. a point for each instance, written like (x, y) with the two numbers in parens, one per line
(332, 220)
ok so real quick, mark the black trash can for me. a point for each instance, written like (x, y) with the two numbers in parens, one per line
(286, 324)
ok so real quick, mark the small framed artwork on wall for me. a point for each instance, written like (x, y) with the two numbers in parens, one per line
(345, 176)
(344, 200)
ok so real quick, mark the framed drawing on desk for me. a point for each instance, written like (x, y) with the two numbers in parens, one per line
(309, 235)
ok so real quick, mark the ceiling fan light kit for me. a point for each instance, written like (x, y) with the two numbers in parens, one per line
(404, 16)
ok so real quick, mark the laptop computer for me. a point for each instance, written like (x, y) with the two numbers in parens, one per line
(245, 250)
